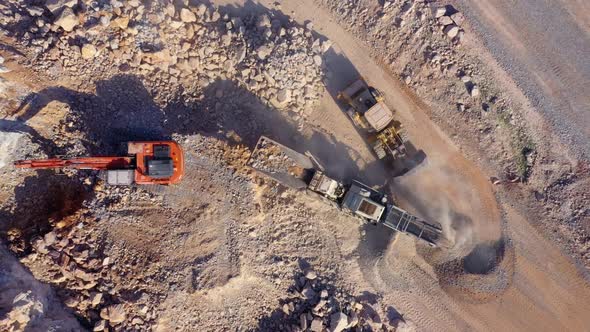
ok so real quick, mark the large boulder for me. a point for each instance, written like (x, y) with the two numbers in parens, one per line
(67, 20)
(187, 16)
(338, 322)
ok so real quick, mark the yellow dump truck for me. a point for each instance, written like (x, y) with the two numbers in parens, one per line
(371, 115)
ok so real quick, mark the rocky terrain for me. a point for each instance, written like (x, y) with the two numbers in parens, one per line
(228, 250)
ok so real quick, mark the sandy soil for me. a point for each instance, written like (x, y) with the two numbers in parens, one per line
(543, 46)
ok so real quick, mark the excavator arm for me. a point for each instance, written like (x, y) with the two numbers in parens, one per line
(97, 163)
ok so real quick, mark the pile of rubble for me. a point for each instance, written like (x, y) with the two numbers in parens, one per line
(187, 45)
(314, 305)
(74, 262)
(270, 158)
(27, 304)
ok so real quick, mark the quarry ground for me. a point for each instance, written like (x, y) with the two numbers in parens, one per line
(226, 249)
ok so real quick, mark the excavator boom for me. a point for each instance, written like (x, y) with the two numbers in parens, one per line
(98, 163)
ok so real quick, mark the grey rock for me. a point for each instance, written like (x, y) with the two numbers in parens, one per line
(445, 20)
(35, 11)
(338, 322)
(67, 20)
(187, 16)
(458, 18)
(55, 6)
(317, 325)
(439, 11)
(451, 30)
(263, 21)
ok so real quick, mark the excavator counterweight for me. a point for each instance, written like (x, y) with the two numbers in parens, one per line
(159, 162)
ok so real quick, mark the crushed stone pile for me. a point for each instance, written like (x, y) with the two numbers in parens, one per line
(313, 304)
(270, 158)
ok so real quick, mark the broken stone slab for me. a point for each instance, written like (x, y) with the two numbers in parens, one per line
(263, 52)
(317, 60)
(445, 20)
(35, 11)
(115, 314)
(338, 322)
(451, 30)
(458, 18)
(474, 91)
(187, 16)
(311, 275)
(95, 299)
(317, 325)
(137, 321)
(120, 22)
(439, 11)
(55, 5)
(67, 20)
(88, 51)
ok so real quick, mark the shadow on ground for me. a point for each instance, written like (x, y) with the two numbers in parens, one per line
(281, 319)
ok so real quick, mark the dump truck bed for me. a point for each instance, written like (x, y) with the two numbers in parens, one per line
(400, 220)
(281, 163)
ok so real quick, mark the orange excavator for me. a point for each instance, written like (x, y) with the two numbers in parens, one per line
(160, 162)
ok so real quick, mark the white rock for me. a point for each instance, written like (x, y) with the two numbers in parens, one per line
(263, 52)
(170, 10)
(50, 238)
(67, 20)
(439, 11)
(317, 325)
(95, 299)
(311, 275)
(465, 78)
(187, 16)
(338, 322)
(445, 20)
(317, 60)
(55, 5)
(474, 91)
(201, 9)
(451, 30)
(35, 11)
(88, 51)
(458, 18)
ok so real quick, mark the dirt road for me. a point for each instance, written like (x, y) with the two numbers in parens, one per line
(543, 45)
(533, 287)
